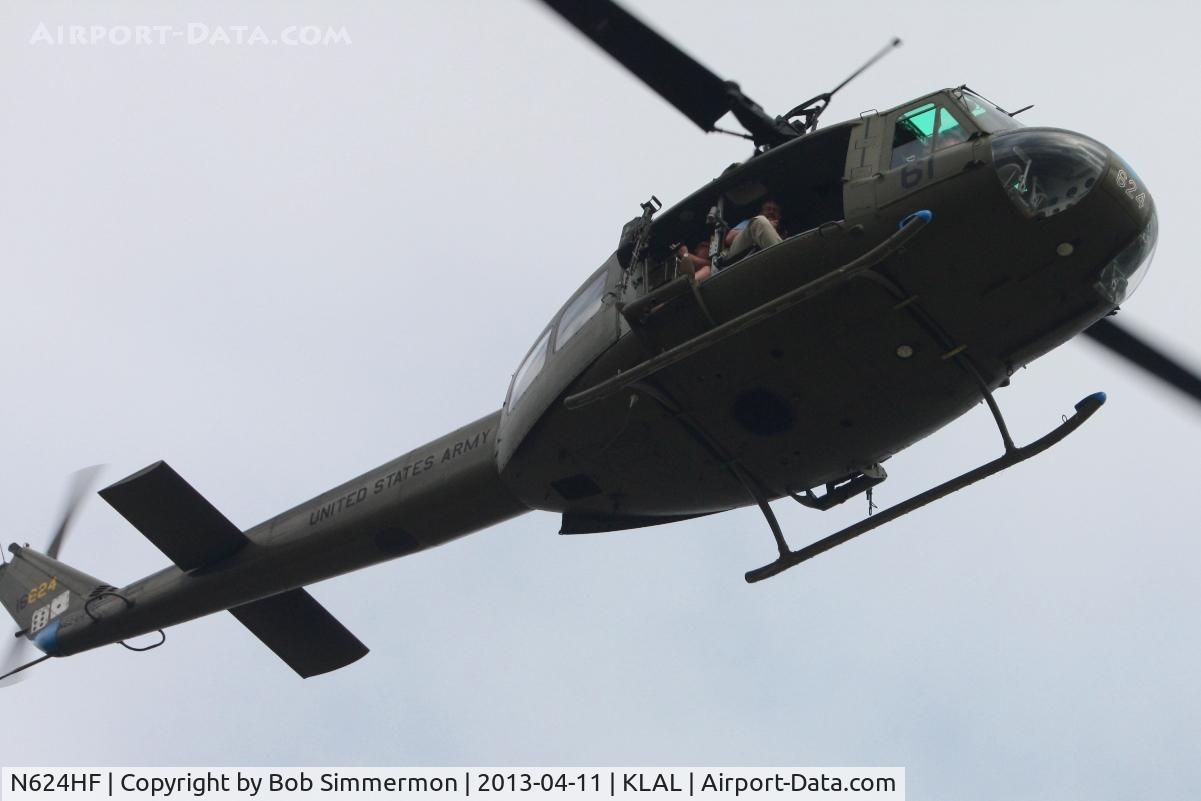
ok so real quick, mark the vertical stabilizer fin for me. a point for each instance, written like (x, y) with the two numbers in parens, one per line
(37, 592)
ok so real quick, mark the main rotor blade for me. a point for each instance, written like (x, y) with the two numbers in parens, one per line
(81, 480)
(1127, 345)
(675, 75)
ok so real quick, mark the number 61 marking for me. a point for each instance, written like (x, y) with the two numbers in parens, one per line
(911, 175)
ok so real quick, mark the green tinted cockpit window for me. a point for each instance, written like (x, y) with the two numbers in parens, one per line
(915, 134)
(946, 122)
(920, 121)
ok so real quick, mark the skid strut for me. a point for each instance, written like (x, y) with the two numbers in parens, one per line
(1013, 455)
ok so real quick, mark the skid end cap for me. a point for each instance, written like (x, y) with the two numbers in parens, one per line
(924, 214)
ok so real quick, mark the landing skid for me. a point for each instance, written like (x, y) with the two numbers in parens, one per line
(1013, 455)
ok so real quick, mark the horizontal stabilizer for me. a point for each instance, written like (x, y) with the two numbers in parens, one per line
(174, 516)
(301, 632)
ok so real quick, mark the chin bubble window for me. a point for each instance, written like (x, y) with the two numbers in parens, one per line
(1046, 171)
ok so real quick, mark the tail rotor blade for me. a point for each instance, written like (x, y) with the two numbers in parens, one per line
(12, 660)
(1137, 350)
(11, 667)
(81, 481)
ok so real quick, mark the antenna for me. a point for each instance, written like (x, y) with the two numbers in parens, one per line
(811, 109)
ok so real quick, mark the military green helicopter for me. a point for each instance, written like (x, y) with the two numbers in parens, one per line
(939, 246)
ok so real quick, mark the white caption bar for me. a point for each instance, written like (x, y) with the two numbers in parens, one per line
(443, 784)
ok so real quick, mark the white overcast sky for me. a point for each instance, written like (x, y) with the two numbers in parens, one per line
(277, 267)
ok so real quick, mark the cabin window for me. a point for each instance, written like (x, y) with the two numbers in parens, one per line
(580, 310)
(925, 129)
(529, 369)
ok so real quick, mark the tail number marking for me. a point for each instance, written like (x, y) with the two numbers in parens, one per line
(38, 592)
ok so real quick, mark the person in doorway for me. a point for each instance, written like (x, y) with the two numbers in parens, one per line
(761, 231)
(695, 259)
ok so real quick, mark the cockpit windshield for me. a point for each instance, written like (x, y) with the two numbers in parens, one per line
(987, 116)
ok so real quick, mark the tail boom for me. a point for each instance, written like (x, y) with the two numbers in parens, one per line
(444, 490)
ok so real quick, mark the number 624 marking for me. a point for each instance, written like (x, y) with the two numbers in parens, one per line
(1124, 181)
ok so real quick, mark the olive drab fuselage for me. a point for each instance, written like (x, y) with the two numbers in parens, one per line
(1028, 236)
(844, 381)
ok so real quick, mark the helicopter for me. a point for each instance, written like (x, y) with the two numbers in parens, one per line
(650, 397)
